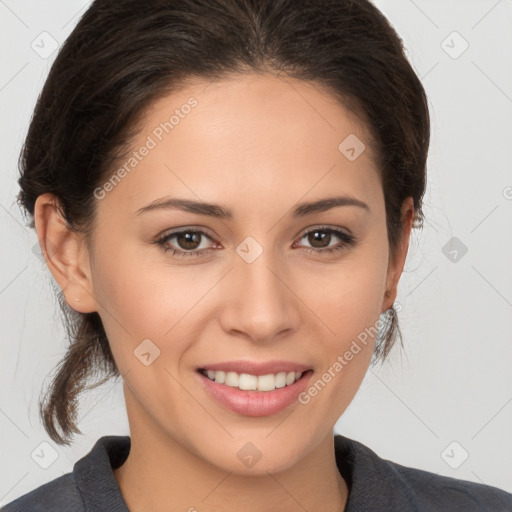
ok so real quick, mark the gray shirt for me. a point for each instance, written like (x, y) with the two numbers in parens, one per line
(375, 485)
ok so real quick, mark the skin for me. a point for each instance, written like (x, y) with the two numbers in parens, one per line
(258, 145)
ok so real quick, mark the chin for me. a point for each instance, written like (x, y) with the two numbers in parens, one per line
(255, 455)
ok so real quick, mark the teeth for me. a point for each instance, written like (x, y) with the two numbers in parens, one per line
(280, 380)
(231, 379)
(266, 383)
(247, 382)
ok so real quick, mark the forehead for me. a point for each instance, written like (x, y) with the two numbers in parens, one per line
(248, 136)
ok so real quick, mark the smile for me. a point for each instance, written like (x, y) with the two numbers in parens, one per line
(248, 382)
(254, 395)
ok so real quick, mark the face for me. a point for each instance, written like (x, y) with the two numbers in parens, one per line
(259, 285)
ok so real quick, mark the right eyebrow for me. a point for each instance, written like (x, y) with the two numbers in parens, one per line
(212, 210)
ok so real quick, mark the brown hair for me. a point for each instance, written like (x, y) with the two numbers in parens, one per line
(124, 54)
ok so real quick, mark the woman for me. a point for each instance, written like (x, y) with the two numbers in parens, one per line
(224, 191)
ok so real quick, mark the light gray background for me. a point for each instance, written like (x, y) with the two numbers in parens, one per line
(453, 382)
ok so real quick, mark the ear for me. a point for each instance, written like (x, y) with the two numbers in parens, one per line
(397, 260)
(65, 253)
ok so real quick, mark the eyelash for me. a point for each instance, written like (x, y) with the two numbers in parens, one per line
(346, 240)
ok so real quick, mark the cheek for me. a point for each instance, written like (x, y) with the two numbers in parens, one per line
(348, 300)
(129, 297)
(141, 297)
(347, 296)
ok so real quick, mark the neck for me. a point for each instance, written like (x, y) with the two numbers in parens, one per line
(161, 474)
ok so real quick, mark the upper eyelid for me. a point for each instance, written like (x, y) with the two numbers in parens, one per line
(323, 227)
(185, 229)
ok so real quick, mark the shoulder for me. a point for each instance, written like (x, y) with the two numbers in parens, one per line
(379, 484)
(91, 485)
(443, 491)
(59, 494)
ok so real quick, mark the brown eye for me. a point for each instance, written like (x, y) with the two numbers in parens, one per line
(186, 242)
(319, 240)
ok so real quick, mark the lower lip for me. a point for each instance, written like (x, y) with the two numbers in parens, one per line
(256, 403)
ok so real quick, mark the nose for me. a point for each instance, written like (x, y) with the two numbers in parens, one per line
(260, 304)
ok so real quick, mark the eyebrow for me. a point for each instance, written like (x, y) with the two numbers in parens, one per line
(217, 211)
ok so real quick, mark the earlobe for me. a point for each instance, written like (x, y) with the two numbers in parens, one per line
(397, 262)
(65, 253)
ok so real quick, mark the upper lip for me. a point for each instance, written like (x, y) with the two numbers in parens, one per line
(255, 367)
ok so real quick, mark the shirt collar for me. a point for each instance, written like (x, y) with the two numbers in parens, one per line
(375, 484)
(95, 478)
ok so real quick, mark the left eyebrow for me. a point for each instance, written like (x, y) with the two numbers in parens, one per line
(215, 210)
(326, 204)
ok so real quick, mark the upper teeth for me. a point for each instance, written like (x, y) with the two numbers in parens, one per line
(246, 382)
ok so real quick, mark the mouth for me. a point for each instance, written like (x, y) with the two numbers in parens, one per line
(250, 382)
(257, 393)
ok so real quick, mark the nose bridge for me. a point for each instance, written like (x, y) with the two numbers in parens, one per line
(261, 305)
